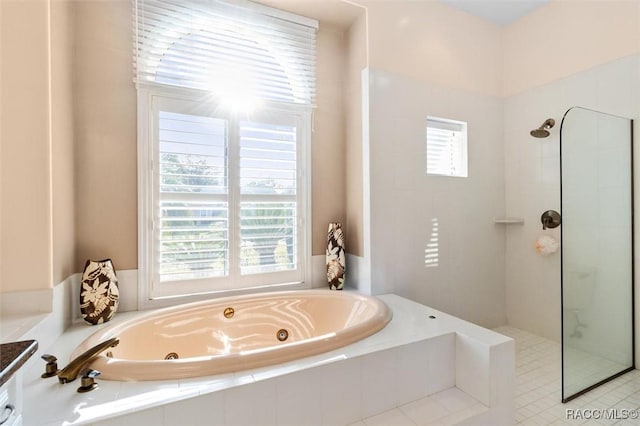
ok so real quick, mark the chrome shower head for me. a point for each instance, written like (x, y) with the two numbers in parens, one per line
(542, 132)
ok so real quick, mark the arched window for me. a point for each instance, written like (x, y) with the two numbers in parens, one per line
(227, 50)
(224, 103)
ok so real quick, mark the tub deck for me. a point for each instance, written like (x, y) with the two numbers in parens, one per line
(412, 357)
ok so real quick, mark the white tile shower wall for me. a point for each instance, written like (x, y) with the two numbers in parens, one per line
(410, 209)
(532, 176)
(357, 274)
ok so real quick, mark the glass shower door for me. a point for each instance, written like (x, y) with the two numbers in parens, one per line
(597, 249)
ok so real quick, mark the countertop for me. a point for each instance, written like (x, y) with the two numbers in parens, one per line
(13, 356)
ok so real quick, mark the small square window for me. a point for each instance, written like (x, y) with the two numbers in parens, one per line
(446, 147)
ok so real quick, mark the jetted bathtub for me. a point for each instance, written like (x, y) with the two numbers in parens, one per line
(235, 333)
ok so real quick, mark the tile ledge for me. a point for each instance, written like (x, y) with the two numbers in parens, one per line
(18, 326)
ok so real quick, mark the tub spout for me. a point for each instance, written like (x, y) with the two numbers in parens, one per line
(73, 369)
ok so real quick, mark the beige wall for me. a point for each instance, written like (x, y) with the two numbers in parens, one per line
(328, 138)
(357, 60)
(430, 41)
(38, 208)
(26, 240)
(105, 135)
(62, 140)
(79, 188)
(565, 37)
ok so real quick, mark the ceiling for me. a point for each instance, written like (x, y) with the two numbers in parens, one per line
(501, 12)
(342, 13)
(337, 12)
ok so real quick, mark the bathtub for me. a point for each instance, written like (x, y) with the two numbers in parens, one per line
(235, 333)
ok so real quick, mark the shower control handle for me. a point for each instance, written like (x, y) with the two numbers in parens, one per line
(550, 219)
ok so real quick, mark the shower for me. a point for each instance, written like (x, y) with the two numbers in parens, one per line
(542, 132)
(596, 262)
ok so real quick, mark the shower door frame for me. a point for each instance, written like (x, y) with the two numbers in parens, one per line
(633, 310)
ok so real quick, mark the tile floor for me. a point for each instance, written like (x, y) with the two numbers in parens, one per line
(538, 382)
(537, 398)
(584, 369)
(448, 407)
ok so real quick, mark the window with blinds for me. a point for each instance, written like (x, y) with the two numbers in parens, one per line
(446, 147)
(193, 212)
(223, 189)
(268, 181)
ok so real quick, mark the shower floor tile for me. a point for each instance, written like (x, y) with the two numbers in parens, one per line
(538, 387)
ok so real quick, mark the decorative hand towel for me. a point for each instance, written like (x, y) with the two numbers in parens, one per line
(546, 245)
(99, 292)
(335, 256)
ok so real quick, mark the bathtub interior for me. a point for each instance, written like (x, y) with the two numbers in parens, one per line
(203, 330)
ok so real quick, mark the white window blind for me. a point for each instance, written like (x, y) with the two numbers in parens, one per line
(192, 224)
(241, 51)
(268, 183)
(446, 147)
(227, 199)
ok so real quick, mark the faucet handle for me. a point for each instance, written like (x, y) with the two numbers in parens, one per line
(550, 219)
(51, 368)
(87, 382)
(49, 358)
(90, 373)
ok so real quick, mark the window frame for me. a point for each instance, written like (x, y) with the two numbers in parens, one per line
(462, 144)
(150, 295)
